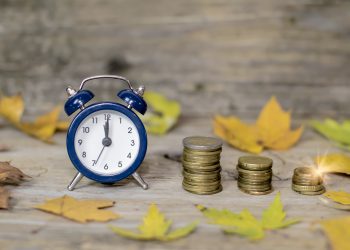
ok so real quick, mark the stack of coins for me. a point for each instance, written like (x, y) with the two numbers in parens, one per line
(254, 175)
(307, 181)
(201, 165)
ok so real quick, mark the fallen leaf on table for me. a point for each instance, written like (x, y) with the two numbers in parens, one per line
(62, 125)
(271, 130)
(245, 224)
(11, 175)
(334, 131)
(43, 128)
(162, 114)
(274, 217)
(338, 196)
(155, 227)
(4, 198)
(80, 210)
(338, 232)
(4, 148)
(333, 163)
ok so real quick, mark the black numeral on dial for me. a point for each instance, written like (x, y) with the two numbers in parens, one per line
(105, 167)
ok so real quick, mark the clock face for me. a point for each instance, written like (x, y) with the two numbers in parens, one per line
(107, 142)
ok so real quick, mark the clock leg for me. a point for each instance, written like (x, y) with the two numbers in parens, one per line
(139, 179)
(75, 181)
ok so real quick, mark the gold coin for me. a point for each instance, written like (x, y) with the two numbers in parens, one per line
(199, 191)
(204, 153)
(201, 185)
(200, 179)
(263, 177)
(253, 162)
(307, 188)
(219, 189)
(253, 181)
(199, 163)
(256, 192)
(200, 159)
(254, 187)
(202, 143)
(312, 193)
(197, 170)
(307, 182)
(202, 176)
(254, 172)
(305, 171)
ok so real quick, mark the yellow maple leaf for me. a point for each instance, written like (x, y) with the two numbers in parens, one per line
(338, 232)
(155, 227)
(333, 163)
(245, 224)
(274, 217)
(271, 130)
(79, 210)
(162, 114)
(43, 128)
(338, 196)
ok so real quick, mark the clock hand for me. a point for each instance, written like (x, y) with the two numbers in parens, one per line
(106, 128)
(100, 154)
(106, 141)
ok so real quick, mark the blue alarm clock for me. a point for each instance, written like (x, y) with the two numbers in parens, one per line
(106, 141)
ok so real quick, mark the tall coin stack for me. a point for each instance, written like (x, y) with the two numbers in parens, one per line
(307, 181)
(201, 165)
(255, 175)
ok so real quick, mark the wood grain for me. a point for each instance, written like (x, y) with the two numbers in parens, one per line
(232, 54)
(23, 227)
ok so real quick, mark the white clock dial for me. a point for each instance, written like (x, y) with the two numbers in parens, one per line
(105, 156)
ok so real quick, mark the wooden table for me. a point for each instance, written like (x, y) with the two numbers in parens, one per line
(23, 227)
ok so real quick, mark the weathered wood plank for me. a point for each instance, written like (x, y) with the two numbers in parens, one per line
(26, 228)
(226, 52)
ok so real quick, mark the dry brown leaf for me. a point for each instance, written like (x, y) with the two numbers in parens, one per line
(80, 210)
(43, 128)
(272, 130)
(4, 198)
(4, 148)
(10, 174)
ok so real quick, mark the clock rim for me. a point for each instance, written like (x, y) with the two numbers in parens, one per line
(73, 129)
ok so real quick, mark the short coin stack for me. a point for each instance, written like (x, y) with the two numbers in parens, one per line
(255, 174)
(201, 165)
(307, 181)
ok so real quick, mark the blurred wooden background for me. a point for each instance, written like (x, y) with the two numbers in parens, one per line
(224, 56)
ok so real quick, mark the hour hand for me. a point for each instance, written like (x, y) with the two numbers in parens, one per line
(106, 141)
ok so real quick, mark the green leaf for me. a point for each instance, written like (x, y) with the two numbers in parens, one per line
(181, 232)
(274, 217)
(337, 132)
(219, 217)
(162, 114)
(155, 227)
(245, 224)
